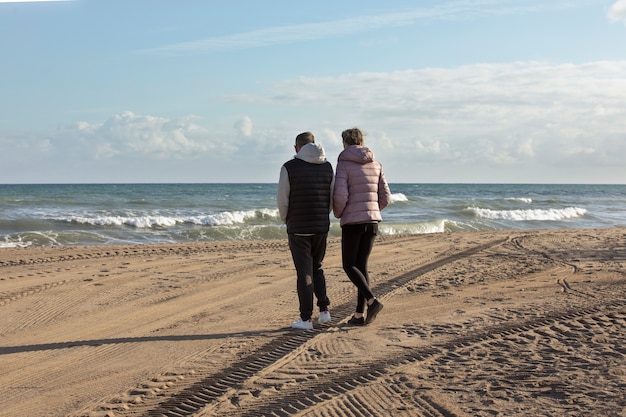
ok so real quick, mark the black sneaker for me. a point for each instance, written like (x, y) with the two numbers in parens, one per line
(373, 310)
(356, 322)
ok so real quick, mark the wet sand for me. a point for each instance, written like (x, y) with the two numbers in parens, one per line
(503, 323)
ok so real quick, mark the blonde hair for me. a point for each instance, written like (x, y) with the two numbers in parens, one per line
(352, 136)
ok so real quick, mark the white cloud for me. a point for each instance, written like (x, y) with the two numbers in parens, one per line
(512, 115)
(459, 9)
(330, 138)
(524, 121)
(617, 12)
(244, 126)
(527, 148)
(141, 135)
(141, 148)
(431, 146)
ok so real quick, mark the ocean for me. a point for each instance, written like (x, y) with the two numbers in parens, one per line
(102, 214)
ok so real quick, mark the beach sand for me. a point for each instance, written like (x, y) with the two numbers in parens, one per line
(502, 323)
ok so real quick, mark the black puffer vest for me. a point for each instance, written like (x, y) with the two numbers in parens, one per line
(309, 196)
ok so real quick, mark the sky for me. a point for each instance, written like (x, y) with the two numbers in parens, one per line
(196, 91)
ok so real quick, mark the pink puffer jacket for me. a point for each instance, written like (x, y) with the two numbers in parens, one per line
(360, 190)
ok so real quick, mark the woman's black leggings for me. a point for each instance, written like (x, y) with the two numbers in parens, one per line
(357, 241)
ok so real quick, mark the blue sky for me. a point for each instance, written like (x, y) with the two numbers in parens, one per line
(520, 91)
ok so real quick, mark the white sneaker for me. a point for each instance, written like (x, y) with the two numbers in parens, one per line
(303, 324)
(324, 317)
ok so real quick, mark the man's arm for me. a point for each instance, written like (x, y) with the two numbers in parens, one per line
(282, 195)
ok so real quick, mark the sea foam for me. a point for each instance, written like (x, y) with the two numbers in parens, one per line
(521, 199)
(226, 218)
(432, 226)
(395, 197)
(529, 215)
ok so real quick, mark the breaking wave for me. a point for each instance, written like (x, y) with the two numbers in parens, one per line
(529, 215)
(226, 218)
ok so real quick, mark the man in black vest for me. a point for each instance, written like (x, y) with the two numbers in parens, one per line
(304, 201)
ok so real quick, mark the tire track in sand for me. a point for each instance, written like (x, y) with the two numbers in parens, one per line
(358, 392)
(368, 389)
(203, 389)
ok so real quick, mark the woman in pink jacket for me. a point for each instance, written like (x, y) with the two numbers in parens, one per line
(360, 193)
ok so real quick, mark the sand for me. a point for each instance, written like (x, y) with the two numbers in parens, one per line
(503, 323)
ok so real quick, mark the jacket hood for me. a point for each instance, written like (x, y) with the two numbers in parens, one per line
(312, 153)
(358, 154)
